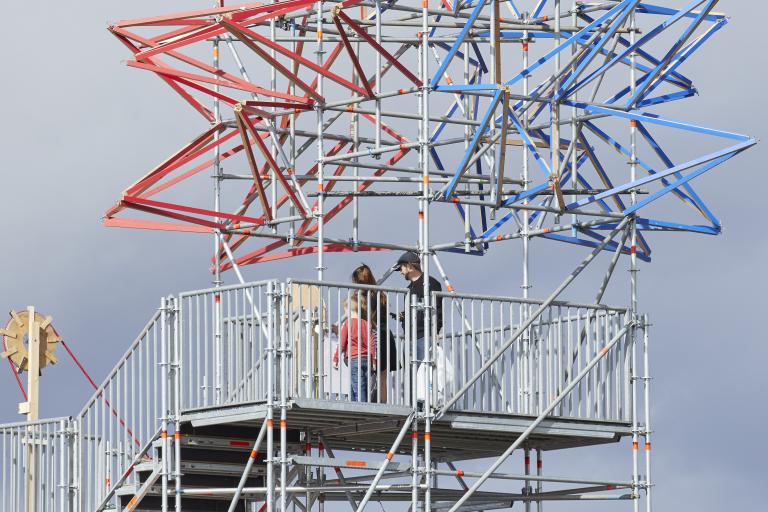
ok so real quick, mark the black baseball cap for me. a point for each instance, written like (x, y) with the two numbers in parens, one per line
(407, 257)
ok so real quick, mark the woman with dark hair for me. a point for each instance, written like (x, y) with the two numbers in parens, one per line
(378, 310)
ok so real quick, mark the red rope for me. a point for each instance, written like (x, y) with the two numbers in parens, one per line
(15, 373)
(79, 365)
(96, 388)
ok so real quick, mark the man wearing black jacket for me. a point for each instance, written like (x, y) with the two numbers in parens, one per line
(409, 266)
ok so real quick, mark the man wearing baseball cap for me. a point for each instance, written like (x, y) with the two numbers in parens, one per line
(409, 266)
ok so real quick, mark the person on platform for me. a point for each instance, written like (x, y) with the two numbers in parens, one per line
(357, 344)
(409, 266)
(387, 349)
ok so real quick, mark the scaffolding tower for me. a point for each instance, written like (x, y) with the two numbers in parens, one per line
(432, 127)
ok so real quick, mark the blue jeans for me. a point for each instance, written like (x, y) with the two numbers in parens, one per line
(359, 378)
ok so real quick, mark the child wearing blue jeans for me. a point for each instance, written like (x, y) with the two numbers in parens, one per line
(357, 341)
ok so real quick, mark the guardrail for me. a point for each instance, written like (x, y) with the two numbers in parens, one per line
(224, 336)
(122, 417)
(539, 364)
(43, 448)
(318, 315)
(264, 340)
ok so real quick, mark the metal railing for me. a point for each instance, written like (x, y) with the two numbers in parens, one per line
(43, 448)
(270, 339)
(539, 364)
(118, 424)
(319, 314)
(224, 335)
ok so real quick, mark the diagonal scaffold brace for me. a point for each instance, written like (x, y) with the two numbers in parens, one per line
(541, 417)
(524, 327)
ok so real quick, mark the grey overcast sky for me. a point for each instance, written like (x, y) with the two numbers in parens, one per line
(78, 126)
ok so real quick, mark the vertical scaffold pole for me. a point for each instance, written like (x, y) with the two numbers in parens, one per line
(527, 471)
(165, 451)
(554, 140)
(526, 285)
(539, 484)
(177, 397)
(269, 387)
(217, 370)
(429, 312)
(647, 405)
(273, 141)
(355, 129)
(633, 269)
(414, 456)
(320, 153)
(284, 351)
(574, 130)
(377, 89)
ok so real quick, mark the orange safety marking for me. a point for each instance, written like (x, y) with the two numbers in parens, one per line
(427, 436)
(236, 225)
(460, 473)
(131, 503)
(108, 482)
(547, 230)
(215, 53)
(248, 231)
(525, 47)
(403, 147)
(647, 447)
(402, 91)
(425, 179)
(545, 18)
(270, 423)
(450, 288)
(499, 238)
(350, 108)
(177, 435)
(634, 445)
(421, 215)
(254, 453)
(217, 299)
(456, 200)
(319, 34)
(357, 463)
(633, 123)
(633, 249)
(425, 4)
(163, 434)
(283, 424)
(319, 187)
(390, 455)
(605, 350)
(449, 80)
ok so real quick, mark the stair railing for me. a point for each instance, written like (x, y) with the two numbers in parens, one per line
(118, 425)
